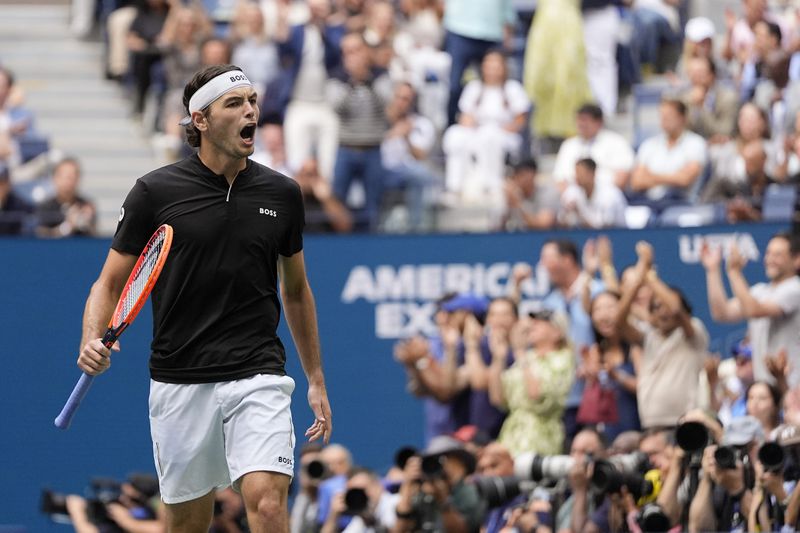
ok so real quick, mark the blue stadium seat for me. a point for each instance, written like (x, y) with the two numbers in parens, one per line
(779, 203)
(686, 216)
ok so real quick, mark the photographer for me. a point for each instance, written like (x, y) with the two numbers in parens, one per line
(777, 469)
(723, 498)
(119, 507)
(305, 508)
(434, 495)
(372, 508)
(571, 516)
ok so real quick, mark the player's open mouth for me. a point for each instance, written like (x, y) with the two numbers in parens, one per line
(248, 133)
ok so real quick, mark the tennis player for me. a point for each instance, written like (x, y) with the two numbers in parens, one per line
(219, 395)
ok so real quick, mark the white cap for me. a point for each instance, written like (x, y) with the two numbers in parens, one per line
(699, 29)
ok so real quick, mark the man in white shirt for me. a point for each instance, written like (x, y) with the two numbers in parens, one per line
(610, 150)
(668, 165)
(772, 309)
(591, 204)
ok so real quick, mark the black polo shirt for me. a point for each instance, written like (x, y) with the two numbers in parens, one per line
(215, 306)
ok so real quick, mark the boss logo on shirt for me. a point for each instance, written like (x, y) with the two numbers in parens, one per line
(268, 212)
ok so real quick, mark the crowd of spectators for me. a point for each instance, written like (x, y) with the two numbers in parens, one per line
(416, 112)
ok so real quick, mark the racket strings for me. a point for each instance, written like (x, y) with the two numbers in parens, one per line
(142, 275)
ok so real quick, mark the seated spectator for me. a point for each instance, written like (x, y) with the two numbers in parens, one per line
(359, 95)
(788, 168)
(610, 150)
(674, 349)
(668, 165)
(405, 151)
(324, 212)
(590, 203)
(740, 166)
(493, 114)
(14, 211)
(67, 214)
(698, 42)
(534, 388)
(712, 106)
(365, 500)
(529, 205)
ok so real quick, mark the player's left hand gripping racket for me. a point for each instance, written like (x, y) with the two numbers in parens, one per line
(141, 281)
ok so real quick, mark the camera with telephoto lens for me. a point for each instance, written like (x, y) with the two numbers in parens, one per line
(356, 501)
(624, 470)
(652, 518)
(692, 437)
(779, 459)
(317, 470)
(726, 457)
(104, 491)
(499, 490)
(534, 467)
(432, 467)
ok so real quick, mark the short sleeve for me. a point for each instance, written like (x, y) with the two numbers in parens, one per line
(696, 149)
(788, 297)
(293, 239)
(518, 100)
(136, 221)
(468, 103)
(646, 151)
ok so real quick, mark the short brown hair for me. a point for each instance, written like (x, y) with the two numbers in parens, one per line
(198, 80)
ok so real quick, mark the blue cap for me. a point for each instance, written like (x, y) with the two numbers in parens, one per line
(467, 302)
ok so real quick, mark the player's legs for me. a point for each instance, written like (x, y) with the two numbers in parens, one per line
(193, 516)
(266, 497)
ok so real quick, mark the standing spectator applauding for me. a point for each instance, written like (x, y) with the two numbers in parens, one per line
(772, 309)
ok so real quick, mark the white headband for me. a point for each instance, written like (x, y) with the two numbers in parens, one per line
(215, 88)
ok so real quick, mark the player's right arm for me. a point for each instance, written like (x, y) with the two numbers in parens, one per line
(94, 358)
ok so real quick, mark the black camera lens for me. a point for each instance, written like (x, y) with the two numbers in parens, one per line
(771, 456)
(355, 500)
(402, 456)
(653, 518)
(432, 465)
(691, 436)
(316, 469)
(726, 456)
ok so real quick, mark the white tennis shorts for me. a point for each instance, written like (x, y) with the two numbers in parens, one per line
(209, 435)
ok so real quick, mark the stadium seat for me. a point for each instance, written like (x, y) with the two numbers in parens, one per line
(686, 216)
(779, 203)
(638, 216)
(645, 97)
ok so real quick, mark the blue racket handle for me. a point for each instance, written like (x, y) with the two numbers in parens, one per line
(64, 419)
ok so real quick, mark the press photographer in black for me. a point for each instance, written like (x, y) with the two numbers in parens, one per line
(128, 507)
(434, 495)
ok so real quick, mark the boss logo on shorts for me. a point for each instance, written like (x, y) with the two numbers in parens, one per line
(268, 212)
(288, 461)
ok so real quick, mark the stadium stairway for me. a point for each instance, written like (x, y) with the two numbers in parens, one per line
(82, 113)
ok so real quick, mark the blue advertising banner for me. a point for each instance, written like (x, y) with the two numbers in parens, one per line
(370, 291)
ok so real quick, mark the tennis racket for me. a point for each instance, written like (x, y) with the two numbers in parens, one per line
(141, 281)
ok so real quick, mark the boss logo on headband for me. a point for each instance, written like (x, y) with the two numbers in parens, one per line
(239, 77)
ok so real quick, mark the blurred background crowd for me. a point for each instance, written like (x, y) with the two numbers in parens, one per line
(452, 115)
